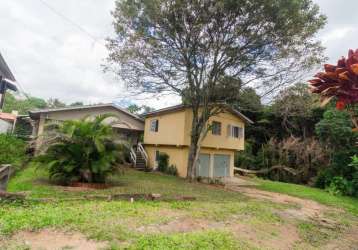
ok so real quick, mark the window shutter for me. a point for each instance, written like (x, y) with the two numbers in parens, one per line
(156, 125)
(229, 130)
(152, 126)
(241, 132)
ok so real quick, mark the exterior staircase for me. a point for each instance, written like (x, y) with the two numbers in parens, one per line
(140, 162)
(139, 157)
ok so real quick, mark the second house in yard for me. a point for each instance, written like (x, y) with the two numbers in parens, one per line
(128, 127)
(168, 131)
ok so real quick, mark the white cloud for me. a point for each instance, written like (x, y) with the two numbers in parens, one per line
(51, 57)
(337, 34)
(340, 32)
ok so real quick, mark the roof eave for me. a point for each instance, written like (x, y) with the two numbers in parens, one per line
(37, 113)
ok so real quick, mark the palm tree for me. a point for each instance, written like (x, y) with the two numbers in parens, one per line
(80, 150)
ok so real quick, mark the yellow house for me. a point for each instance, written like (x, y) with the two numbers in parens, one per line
(168, 131)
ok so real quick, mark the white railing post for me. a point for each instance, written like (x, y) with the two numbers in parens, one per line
(133, 156)
(143, 153)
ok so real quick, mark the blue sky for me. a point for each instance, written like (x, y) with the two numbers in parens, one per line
(52, 57)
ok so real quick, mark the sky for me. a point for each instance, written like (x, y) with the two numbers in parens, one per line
(55, 48)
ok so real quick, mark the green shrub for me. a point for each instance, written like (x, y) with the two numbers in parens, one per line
(80, 151)
(172, 170)
(354, 185)
(163, 165)
(324, 178)
(163, 162)
(12, 150)
(335, 130)
(335, 133)
(339, 186)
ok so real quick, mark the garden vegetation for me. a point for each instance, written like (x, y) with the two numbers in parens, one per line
(80, 151)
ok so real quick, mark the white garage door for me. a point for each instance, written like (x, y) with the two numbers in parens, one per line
(221, 165)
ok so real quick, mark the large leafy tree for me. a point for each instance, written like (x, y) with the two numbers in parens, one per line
(55, 103)
(298, 110)
(22, 105)
(191, 48)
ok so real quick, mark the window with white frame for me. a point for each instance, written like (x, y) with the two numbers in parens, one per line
(235, 131)
(154, 125)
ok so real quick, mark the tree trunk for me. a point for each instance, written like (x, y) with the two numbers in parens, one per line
(193, 150)
(199, 131)
(191, 161)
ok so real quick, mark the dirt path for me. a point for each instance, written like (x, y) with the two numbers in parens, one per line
(306, 210)
(48, 239)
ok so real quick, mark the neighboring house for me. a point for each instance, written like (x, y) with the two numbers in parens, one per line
(7, 122)
(7, 80)
(128, 127)
(168, 131)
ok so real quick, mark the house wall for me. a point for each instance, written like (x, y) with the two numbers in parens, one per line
(5, 126)
(92, 112)
(222, 141)
(178, 156)
(64, 115)
(175, 129)
(170, 132)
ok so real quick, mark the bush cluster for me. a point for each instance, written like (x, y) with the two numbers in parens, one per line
(164, 167)
(81, 151)
(340, 176)
(12, 150)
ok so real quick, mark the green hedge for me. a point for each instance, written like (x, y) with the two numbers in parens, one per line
(12, 150)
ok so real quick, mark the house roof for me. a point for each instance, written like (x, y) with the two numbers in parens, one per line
(5, 70)
(7, 78)
(35, 114)
(126, 126)
(182, 106)
(7, 116)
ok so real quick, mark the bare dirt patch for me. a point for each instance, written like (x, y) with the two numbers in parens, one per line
(181, 225)
(306, 209)
(268, 236)
(48, 239)
(348, 241)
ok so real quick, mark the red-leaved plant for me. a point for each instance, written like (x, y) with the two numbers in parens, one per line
(340, 81)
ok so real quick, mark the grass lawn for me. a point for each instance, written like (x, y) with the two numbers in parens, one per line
(319, 195)
(217, 219)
